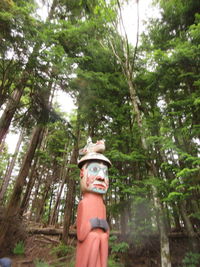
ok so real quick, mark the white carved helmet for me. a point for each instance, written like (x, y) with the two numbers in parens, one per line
(93, 156)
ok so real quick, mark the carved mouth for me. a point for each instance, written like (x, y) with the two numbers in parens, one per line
(99, 184)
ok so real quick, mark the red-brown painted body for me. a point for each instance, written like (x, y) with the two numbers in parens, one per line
(92, 248)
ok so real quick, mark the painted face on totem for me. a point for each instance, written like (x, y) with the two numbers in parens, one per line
(94, 177)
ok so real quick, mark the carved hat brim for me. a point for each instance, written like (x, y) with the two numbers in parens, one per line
(93, 156)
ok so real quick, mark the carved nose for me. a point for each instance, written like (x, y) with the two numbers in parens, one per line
(100, 177)
(101, 174)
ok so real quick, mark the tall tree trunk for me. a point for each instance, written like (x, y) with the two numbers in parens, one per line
(14, 202)
(32, 178)
(127, 65)
(10, 168)
(164, 240)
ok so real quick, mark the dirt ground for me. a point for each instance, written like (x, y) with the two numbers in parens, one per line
(38, 250)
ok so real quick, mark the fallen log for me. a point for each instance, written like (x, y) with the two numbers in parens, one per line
(49, 231)
(55, 231)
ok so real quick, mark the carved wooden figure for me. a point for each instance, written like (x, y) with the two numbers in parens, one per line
(92, 227)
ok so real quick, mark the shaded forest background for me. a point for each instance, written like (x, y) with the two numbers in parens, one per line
(143, 99)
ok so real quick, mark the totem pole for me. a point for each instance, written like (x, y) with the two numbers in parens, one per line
(92, 227)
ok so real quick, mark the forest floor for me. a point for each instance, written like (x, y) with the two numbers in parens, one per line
(39, 251)
(42, 247)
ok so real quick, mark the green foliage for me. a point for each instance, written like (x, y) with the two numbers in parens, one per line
(62, 250)
(39, 263)
(117, 247)
(19, 248)
(113, 263)
(120, 247)
(117, 251)
(191, 259)
(186, 172)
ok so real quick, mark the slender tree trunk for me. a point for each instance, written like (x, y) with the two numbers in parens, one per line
(47, 188)
(54, 213)
(10, 169)
(164, 240)
(36, 193)
(128, 70)
(71, 183)
(64, 174)
(26, 197)
(50, 204)
(69, 197)
(193, 238)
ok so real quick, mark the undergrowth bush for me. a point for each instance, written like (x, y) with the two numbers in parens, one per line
(63, 250)
(19, 248)
(117, 251)
(191, 260)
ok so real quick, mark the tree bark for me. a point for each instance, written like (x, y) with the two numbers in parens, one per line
(64, 174)
(69, 197)
(47, 188)
(54, 213)
(32, 179)
(194, 242)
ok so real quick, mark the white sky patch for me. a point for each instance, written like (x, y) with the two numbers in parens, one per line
(43, 9)
(65, 101)
(11, 141)
(161, 104)
(129, 12)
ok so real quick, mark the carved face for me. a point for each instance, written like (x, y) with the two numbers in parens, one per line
(94, 177)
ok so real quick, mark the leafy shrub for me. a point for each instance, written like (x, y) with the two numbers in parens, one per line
(19, 248)
(117, 251)
(39, 263)
(121, 247)
(117, 247)
(62, 250)
(191, 260)
(113, 263)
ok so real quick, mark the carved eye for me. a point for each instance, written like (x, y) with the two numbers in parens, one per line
(95, 169)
